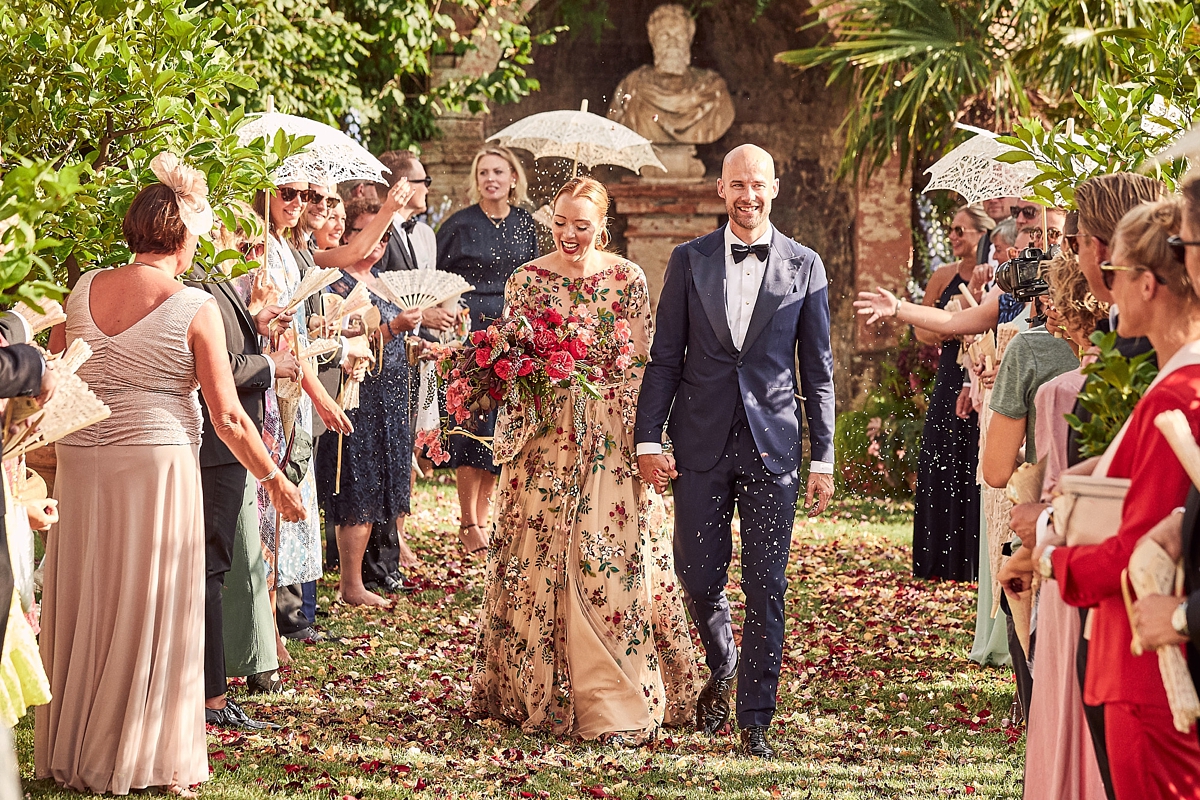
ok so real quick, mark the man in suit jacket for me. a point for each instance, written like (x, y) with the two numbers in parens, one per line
(224, 481)
(738, 308)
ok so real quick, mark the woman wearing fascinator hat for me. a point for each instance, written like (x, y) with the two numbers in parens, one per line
(123, 604)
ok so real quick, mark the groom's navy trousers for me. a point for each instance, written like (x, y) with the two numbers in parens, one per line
(766, 506)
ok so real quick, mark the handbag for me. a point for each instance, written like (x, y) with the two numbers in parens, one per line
(1088, 508)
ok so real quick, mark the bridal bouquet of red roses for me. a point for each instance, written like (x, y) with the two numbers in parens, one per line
(523, 359)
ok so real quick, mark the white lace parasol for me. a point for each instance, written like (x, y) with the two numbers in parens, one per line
(585, 138)
(331, 158)
(971, 169)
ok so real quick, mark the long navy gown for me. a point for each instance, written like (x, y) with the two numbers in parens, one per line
(946, 524)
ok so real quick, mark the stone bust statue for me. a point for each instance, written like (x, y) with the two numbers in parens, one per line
(673, 102)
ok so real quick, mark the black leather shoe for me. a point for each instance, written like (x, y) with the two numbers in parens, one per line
(264, 682)
(712, 706)
(754, 742)
(232, 716)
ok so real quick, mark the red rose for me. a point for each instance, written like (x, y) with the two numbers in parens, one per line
(545, 342)
(526, 366)
(560, 365)
(553, 317)
(478, 337)
(504, 369)
(496, 392)
(577, 348)
(483, 356)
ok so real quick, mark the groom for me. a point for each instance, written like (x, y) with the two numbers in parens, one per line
(738, 308)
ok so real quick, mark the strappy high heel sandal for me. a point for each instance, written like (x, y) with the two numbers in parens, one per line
(474, 542)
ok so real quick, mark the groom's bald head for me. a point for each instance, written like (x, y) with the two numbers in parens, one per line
(748, 185)
(748, 156)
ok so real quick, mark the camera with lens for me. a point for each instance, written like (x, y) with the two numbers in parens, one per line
(1022, 276)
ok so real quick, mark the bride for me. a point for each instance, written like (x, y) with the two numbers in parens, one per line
(583, 630)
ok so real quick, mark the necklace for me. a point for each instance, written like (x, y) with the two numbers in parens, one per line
(497, 221)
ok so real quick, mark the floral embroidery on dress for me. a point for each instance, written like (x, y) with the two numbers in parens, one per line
(583, 629)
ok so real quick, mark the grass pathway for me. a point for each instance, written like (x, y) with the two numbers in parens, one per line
(877, 698)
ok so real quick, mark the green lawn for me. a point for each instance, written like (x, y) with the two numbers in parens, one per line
(877, 698)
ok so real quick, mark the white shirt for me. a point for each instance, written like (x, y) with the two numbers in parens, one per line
(424, 242)
(742, 283)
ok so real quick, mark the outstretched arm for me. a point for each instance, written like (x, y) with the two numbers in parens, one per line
(977, 319)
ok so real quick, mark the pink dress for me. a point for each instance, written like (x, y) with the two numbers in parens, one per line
(1060, 761)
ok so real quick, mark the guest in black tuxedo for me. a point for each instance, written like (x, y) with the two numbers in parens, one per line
(223, 480)
(738, 308)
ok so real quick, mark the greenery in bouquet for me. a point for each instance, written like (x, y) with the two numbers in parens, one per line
(1114, 386)
(524, 360)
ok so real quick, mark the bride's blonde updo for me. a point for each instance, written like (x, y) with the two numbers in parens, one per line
(593, 190)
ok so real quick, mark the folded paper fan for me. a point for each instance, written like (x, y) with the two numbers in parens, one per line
(72, 407)
(1178, 433)
(423, 288)
(357, 303)
(73, 357)
(320, 347)
(1152, 571)
(316, 280)
(1005, 333)
(51, 314)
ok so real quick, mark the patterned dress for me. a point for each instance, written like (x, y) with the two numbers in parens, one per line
(299, 548)
(582, 630)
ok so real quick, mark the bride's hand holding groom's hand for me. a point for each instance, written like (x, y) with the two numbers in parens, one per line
(657, 469)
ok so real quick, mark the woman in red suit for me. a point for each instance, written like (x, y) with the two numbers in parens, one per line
(1148, 757)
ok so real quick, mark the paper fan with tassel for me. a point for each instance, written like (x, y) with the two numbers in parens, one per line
(423, 288)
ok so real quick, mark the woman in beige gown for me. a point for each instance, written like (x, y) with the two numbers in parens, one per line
(583, 629)
(123, 599)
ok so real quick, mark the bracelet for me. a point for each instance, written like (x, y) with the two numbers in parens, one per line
(899, 302)
(269, 476)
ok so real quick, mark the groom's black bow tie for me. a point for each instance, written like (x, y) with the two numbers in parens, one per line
(740, 251)
(409, 224)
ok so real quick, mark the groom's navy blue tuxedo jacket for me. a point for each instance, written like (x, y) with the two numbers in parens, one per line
(696, 375)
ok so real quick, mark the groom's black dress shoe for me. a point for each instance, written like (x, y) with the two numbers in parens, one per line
(712, 706)
(754, 742)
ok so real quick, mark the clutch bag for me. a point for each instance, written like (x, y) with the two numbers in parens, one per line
(1088, 509)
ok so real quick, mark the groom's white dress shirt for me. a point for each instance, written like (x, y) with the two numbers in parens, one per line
(742, 283)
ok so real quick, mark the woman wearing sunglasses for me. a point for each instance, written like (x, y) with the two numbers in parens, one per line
(294, 549)
(1147, 756)
(996, 306)
(946, 523)
(349, 253)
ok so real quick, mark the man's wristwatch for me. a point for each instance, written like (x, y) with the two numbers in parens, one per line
(1046, 563)
(1179, 619)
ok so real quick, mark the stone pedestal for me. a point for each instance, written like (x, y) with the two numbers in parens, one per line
(660, 215)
